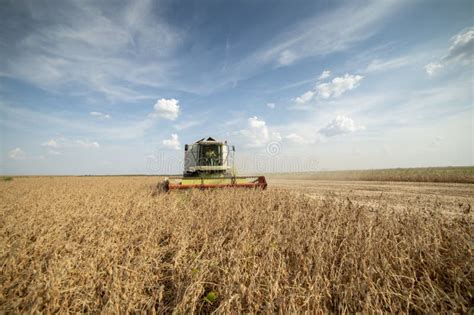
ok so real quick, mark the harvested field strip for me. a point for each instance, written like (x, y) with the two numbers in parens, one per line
(434, 175)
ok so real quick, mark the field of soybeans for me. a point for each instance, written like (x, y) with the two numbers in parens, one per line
(119, 244)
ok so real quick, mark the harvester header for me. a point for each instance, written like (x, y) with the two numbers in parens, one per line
(209, 163)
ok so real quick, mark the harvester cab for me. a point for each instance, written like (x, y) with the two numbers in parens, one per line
(208, 158)
(209, 163)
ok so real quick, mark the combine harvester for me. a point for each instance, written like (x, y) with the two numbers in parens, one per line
(209, 163)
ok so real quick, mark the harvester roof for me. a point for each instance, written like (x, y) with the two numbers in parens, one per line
(209, 140)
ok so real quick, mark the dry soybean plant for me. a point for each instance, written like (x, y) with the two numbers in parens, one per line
(118, 245)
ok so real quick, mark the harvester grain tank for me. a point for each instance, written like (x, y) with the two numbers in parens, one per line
(209, 163)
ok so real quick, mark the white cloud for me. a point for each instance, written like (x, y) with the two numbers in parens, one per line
(271, 105)
(53, 152)
(306, 97)
(17, 154)
(432, 68)
(86, 144)
(324, 75)
(461, 50)
(100, 115)
(462, 47)
(257, 133)
(166, 108)
(340, 125)
(68, 143)
(256, 124)
(172, 143)
(334, 88)
(338, 86)
(50, 143)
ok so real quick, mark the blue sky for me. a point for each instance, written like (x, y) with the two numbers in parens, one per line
(118, 87)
